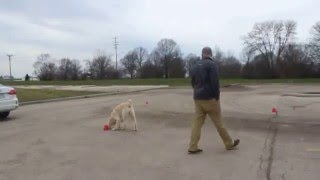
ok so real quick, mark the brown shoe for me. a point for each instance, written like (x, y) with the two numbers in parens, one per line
(235, 144)
(195, 151)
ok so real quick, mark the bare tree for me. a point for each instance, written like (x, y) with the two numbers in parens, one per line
(246, 55)
(177, 68)
(217, 54)
(45, 67)
(296, 62)
(191, 61)
(155, 58)
(69, 69)
(130, 62)
(230, 67)
(314, 44)
(152, 68)
(75, 69)
(42, 58)
(142, 54)
(99, 65)
(64, 69)
(269, 39)
(167, 50)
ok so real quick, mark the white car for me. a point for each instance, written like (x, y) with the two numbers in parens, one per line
(8, 100)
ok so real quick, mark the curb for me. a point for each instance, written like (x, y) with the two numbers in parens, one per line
(86, 96)
(230, 85)
(301, 95)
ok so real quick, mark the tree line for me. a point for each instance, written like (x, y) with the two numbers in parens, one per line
(270, 50)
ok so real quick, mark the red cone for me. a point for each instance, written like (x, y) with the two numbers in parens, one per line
(106, 127)
(274, 110)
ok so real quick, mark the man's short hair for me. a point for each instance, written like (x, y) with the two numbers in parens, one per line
(206, 52)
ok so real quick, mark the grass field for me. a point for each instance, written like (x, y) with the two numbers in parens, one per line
(170, 82)
(25, 95)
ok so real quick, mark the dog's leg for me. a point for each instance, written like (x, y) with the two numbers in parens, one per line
(133, 114)
(122, 119)
(117, 126)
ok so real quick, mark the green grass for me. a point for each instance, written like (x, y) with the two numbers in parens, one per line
(173, 82)
(170, 82)
(25, 95)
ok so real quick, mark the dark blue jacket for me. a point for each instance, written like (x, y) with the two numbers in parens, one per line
(205, 80)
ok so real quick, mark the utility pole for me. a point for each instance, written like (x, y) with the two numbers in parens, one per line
(10, 55)
(116, 43)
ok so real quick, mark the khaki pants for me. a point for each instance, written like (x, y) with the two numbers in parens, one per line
(213, 109)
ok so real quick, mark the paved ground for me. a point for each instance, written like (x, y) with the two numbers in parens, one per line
(64, 140)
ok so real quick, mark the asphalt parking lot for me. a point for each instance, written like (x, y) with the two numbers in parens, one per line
(64, 140)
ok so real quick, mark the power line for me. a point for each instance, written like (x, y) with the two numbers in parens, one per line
(10, 55)
(115, 45)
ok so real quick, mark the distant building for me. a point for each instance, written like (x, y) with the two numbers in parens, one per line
(6, 77)
(34, 78)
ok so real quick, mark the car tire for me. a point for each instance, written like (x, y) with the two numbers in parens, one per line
(4, 114)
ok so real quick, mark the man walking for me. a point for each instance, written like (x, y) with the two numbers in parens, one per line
(206, 94)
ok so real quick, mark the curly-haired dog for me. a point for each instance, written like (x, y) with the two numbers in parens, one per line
(120, 113)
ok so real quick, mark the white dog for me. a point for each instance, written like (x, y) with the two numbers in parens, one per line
(120, 113)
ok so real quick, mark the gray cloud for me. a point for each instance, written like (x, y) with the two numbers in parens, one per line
(77, 28)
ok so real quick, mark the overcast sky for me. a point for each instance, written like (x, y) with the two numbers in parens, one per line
(77, 28)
